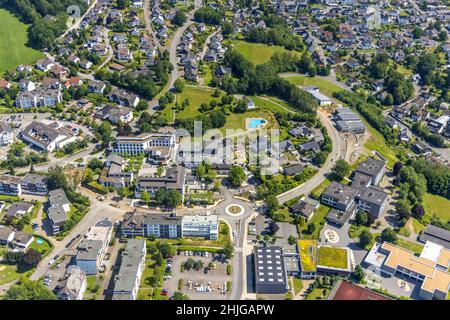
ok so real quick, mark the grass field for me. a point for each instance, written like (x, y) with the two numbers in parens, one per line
(318, 294)
(436, 205)
(13, 43)
(256, 53)
(318, 219)
(326, 87)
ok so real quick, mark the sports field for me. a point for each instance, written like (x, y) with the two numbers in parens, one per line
(13, 43)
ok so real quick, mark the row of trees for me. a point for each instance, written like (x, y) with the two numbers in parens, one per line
(278, 35)
(420, 129)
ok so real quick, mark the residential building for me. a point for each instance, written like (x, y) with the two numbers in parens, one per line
(339, 196)
(34, 184)
(126, 282)
(124, 98)
(74, 284)
(305, 207)
(270, 275)
(373, 168)
(92, 249)
(174, 179)
(58, 208)
(143, 143)
(46, 137)
(147, 224)
(10, 185)
(17, 240)
(6, 134)
(113, 174)
(373, 201)
(18, 209)
(203, 226)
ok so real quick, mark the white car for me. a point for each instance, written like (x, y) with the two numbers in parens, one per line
(234, 233)
(51, 262)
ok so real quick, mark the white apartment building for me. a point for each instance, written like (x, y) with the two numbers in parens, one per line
(143, 143)
(6, 134)
(205, 226)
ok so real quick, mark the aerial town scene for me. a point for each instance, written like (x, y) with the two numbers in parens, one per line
(224, 150)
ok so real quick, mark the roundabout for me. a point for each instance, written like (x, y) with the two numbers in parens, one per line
(234, 210)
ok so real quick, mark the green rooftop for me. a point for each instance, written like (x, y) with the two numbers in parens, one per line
(333, 257)
(307, 250)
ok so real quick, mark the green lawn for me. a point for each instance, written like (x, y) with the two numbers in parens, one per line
(13, 40)
(317, 191)
(8, 273)
(326, 87)
(416, 248)
(378, 143)
(43, 248)
(437, 205)
(271, 103)
(318, 219)
(256, 53)
(332, 257)
(298, 284)
(238, 120)
(317, 294)
(417, 225)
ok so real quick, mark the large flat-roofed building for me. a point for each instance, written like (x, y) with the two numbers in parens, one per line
(10, 185)
(373, 168)
(93, 247)
(436, 235)
(114, 175)
(270, 275)
(147, 224)
(174, 179)
(430, 268)
(126, 282)
(348, 121)
(373, 201)
(74, 284)
(143, 143)
(339, 196)
(204, 226)
(34, 184)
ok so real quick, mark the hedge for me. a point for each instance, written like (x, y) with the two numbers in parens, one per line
(180, 284)
(229, 269)
(97, 187)
(199, 249)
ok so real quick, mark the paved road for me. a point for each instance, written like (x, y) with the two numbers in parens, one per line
(77, 22)
(148, 24)
(98, 211)
(320, 176)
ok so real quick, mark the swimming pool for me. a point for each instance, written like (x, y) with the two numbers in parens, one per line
(256, 123)
(39, 241)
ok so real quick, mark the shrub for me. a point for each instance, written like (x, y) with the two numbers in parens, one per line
(229, 269)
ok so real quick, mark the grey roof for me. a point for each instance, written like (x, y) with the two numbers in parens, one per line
(436, 235)
(57, 215)
(58, 197)
(15, 207)
(34, 179)
(266, 262)
(7, 179)
(339, 217)
(40, 133)
(341, 192)
(360, 181)
(115, 158)
(22, 237)
(304, 208)
(293, 170)
(132, 258)
(374, 195)
(89, 249)
(4, 127)
(371, 167)
(174, 179)
(155, 218)
(347, 125)
(70, 288)
(310, 145)
(5, 233)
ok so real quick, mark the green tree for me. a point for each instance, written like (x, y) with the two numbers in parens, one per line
(272, 203)
(389, 235)
(228, 250)
(29, 290)
(358, 274)
(32, 258)
(172, 198)
(178, 295)
(361, 218)
(365, 239)
(341, 169)
(145, 196)
(292, 240)
(236, 175)
(311, 228)
(179, 85)
(179, 18)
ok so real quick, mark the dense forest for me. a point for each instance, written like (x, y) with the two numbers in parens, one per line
(47, 18)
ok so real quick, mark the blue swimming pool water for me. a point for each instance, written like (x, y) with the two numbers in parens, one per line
(255, 123)
(39, 241)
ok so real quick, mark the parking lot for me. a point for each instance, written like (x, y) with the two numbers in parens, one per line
(202, 284)
(55, 275)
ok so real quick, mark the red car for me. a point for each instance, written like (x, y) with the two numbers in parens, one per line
(164, 293)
